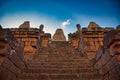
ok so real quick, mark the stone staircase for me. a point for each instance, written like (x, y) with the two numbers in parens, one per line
(59, 62)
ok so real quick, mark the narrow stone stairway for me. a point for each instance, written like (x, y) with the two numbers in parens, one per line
(59, 62)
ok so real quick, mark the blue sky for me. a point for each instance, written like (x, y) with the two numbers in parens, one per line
(59, 13)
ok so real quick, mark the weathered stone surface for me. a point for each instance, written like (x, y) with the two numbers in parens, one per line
(30, 41)
(93, 26)
(110, 38)
(106, 56)
(59, 35)
(110, 58)
(115, 48)
(99, 53)
(32, 38)
(99, 64)
(118, 28)
(41, 27)
(45, 39)
(74, 38)
(112, 73)
(5, 74)
(90, 41)
(78, 27)
(11, 55)
(25, 25)
(91, 38)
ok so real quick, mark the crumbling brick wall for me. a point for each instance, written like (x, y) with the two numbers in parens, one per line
(30, 39)
(91, 39)
(88, 39)
(45, 39)
(33, 39)
(107, 58)
(11, 55)
(74, 38)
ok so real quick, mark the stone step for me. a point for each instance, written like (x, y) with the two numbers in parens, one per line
(60, 60)
(58, 51)
(69, 56)
(59, 54)
(42, 62)
(58, 63)
(59, 76)
(61, 79)
(59, 66)
(60, 70)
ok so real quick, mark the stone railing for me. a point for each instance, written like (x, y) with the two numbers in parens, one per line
(107, 58)
(11, 56)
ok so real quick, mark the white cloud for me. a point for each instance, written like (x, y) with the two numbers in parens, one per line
(65, 23)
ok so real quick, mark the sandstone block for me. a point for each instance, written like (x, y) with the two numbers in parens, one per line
(10, 66)
(16, 59)
(29, 49)
(33, 43)
(117, 57)
(16, 33)
(90, 54)
(27, 43)
(16, 36)
(98, 64)
(22, 36)
(106, 57)
(110, 38)
(113, 62)
(1, 59)
(99, 53)
(92, 43)
(104, 70)
(93, 26)
(25, 25)
(118, 28)
(85, 39)
(5, 74)
(59, 35)
(20, 50)
(114, 74)
(115, 48)
(106, 77)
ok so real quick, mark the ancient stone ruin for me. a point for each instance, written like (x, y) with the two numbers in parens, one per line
(74, 38)
(32, 38)
(91, 53)
(59, 35)
(25, 25)
(91, 38)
